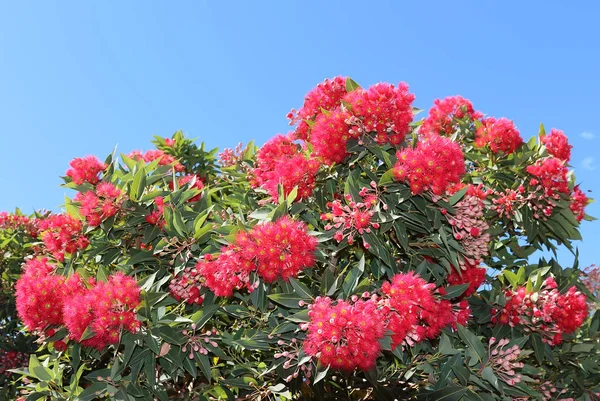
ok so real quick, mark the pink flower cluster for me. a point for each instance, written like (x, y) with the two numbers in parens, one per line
(435, 164)
(46, 299)
(557, 145)
(354, 218)
(500, 135)
(472, 274)
(230, 157)
(344, 335)
(281, 162)
(100, 203)
(329, 136)
(578, 203)
(278, 250)
(40, 295)
(411, 310)
(274, 250)
(549, 180)
(470, 228)
(106, 309)
(157, 154)
(331, 116)
(86, 169)
(442, 116)
(12, 360)
(325, 96)
(546, 311)
(383, 109)
(62, 234)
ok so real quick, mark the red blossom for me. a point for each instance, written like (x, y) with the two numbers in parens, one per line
(383, 109)
(330, 133)
(86, 169)
(344, 336)
(157, 154)
(441, 116)
(435, 164)
(106, 309)
(62, 234)
(578, 203)
(557, 144)
(101, 203)
(499, 134)
(472, 274)
(325, 96)
(281, 162)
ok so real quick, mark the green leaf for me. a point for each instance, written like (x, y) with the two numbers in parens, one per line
(351, 86)
(72, 210)
(538, 347)
(488, 374)
(301, 289)
(138, 185)
(472, 343)
(455, 291)
(454, 199)
(92, 392)
(321, 373)
(352, 278)
(449, 393)
(289, 300)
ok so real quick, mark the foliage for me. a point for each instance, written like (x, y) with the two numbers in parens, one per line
(241, 259)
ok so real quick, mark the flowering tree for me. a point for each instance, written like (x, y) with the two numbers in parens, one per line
(365, 255)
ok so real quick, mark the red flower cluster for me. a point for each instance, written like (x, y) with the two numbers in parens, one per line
(326, 96)
(40, 295)
(499, 134)
(280, 161)
(443, 113)
(551, 175)
(86, 169)
(229, 272)
(156, 217)
(11, 221)
(354, 218)
(471, 274)
(470, 228)
(12, 360)
(547, 311)
(557, 145)
(106, 308)
(99, 204)
(198, 184)
(434, 164)
(578, 203)
(344, 336)
(157, 154)
(273, 250)
(278, 250)
(411, 309)
(329, 136)
(383, 109)
(45, 299)
(62, 235)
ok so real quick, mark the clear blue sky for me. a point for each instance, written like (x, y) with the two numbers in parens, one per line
(78, 77)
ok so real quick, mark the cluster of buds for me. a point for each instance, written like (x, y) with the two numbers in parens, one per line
(353, 218)
(550, 392)
(230, 157)
(294, 358)
(590, 277)
(507, 202)
(469, 227)
(504, 360)
(196, 342)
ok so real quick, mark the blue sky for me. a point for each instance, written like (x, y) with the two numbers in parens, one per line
(77, 78)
